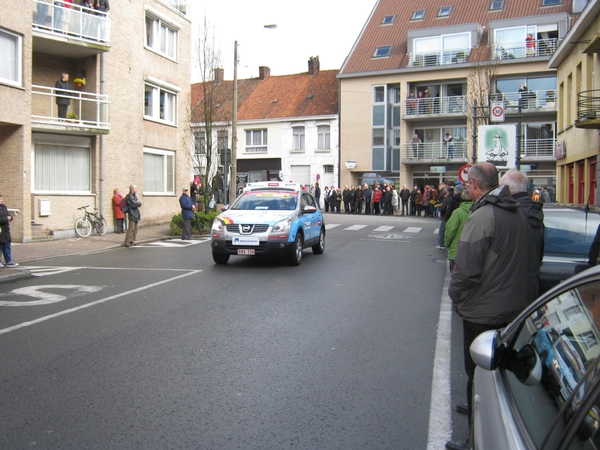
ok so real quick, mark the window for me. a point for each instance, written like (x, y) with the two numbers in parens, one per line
(443, 49)
(200, 142)
(551, 2)
(324, 137)
(222, 140)
(388, 20)
(328, 168)
(496, 5)
(61, 167)
(445, 11)
(418, 15)
(256, 141)
(579, 5)
(10, 58)
(160, 104)
(298, 137)
(159, 171)
(382, 52)
(161, 37)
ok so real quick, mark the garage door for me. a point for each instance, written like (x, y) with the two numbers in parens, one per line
(300, 174)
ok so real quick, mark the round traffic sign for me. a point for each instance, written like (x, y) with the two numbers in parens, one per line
(463, 173)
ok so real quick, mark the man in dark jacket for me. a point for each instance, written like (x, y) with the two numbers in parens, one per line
(63, 99)
(346, 199)
(413, 205)
(489, 271)
(5, 239)
(404, 196)
(133, 209)
(188, 208)
(358, 199)
(318, 195)
(534, 214)
(449, 203)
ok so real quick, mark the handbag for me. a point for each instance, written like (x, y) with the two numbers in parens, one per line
(211, 204)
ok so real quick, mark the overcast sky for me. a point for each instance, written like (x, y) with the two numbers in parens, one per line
(327, 28)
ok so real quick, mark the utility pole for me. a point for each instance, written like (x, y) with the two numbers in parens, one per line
(233, 181)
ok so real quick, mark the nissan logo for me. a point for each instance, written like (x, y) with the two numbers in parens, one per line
(246, 228)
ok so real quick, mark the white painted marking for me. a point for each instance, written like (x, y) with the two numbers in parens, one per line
(355, 228)
(383, 228)
(172, 243)
(97, 302)
(44, 271)
(413, 229)
(47, 298)
(329, 226)
(440, 418)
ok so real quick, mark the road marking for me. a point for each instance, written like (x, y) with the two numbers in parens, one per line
(383, 228)
(329, 226)
(355, 228)
(44, 271)
(97, 302)
(413, 229)
(46, 298)
(173, 243)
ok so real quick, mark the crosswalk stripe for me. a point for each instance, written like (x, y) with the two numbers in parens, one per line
(329, 226)
(413, 229)
(355, 228)
(171, 243)
(43, 271)
(383, 228)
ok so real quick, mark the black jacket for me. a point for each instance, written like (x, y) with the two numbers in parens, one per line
(4, 224)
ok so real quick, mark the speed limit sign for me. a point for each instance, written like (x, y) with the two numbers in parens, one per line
(497, 112)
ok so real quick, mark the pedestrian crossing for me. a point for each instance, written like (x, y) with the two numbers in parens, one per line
(382, 228)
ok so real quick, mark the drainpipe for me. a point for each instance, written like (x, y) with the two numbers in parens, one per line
(102, 111)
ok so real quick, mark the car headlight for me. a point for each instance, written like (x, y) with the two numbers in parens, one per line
(217, 226)
(283, 226)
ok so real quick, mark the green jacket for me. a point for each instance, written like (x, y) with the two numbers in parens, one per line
(454, 227)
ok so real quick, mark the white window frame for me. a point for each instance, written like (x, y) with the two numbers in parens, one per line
(324, 137)
(11, 58)
(256, 141)
(162, 106)
(161, 35)
(442, 53)
(383, 51)
(299, 138)
(166, 175)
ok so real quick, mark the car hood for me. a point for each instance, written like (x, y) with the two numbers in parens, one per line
(251, 216)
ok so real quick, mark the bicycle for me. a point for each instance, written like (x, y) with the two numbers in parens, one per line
(84, 225)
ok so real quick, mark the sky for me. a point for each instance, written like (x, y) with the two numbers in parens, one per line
(324, 28)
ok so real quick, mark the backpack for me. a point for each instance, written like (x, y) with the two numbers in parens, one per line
(123, 205)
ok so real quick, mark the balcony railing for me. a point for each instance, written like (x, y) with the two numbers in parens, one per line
(514, 50)
(180, 5)
(529, 100)
(86, 109)
(454, 56)
(414, 107)
(537, 148)
(75, 21)
(588, 109)
(434, 151)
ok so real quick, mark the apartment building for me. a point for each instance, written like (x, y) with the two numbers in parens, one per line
(287, 125)
(121, 123)
(578, 65)
(419, 68)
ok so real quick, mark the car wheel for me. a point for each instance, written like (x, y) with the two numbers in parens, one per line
(220, 258)
(319, 248)
(295, 257)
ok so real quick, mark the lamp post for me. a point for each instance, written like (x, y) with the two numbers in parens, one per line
(233, 181)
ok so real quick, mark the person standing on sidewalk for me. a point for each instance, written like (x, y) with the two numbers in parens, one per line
(133, 209)
(117, 212)
(188, 210)
(5, 239)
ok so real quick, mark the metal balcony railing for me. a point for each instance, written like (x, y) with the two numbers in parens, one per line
(74, 21)
(588, 105)
(435, 151)
(537, 148)
(456, 104)
(180, 5)
(514, 50)
(454, 56)
(545, 100)
(86, 109)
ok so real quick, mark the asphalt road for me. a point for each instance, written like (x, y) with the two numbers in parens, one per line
(157, 347)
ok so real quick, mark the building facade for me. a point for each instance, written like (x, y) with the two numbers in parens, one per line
(419, 80)
(121, 118)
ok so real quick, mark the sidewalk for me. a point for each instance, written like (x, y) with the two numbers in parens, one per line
(40, 250)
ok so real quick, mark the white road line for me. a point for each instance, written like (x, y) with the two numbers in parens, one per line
(44, 271)
(355, 228)
(97, 302)
(329, 226)
(413, 229)
(440, 418)
(172, 243)
(383, 228)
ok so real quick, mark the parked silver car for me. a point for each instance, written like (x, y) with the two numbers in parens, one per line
(537, 382)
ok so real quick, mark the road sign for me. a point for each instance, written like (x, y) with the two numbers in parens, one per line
(497, 112)
(463, 173)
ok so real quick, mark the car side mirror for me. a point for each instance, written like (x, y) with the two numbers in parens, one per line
(224, 208)
(309, 210)
(483, 350)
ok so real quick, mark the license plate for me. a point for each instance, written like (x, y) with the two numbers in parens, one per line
(245, 251)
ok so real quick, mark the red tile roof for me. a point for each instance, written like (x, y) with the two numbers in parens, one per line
(374, 34)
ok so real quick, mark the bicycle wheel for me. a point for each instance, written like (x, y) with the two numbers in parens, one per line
(100, 226)
(83, 227)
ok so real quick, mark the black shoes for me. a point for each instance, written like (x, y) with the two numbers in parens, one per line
(457, 445)
(462, 408)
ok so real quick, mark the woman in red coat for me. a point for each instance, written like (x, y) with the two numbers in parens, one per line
(119, 215)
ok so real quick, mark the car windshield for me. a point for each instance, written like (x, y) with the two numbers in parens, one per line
(267, 201)
(568, 232)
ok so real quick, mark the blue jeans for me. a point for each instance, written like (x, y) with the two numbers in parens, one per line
(441, 233)
(6, 251)
(42, 12)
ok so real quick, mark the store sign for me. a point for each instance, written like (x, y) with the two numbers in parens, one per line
(437, 169)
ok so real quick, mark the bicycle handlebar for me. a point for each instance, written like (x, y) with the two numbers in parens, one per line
(84, 207)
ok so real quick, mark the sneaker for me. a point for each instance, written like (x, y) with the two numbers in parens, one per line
(442, 248)
(438, 247)
(12, 264)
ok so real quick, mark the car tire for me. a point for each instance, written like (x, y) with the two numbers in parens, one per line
(220, 258)
(295, 256)
(319, 248)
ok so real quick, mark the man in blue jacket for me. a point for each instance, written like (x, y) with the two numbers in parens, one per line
(188, 208)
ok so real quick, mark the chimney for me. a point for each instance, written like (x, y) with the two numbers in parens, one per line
(263, 72)
(313, 65)
(219, 75)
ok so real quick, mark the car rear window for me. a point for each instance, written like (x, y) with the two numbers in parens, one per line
(266, 201)
(568, 232)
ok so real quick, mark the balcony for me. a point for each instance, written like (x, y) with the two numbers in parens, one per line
(75, 32)
(180, 5)
(588, 110)
(417, 108)
(530, 101)
(537, 149)
(516, 50)
(87, 114)
(431, 152)
(427, 59)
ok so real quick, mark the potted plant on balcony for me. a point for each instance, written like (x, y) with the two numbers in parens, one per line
(72, 117)
(460, 57)
(550, 99)
(79, 82)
